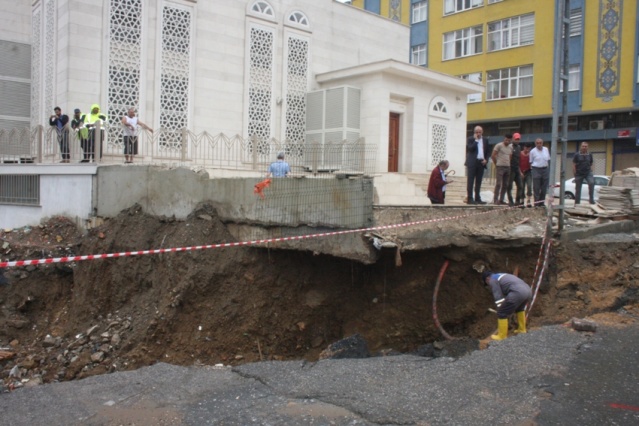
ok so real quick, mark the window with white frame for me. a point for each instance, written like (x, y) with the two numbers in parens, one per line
(511, 32)
(418, 55)
(464, 42)
(574, 78)
(509, 83)
(420, 12)
(298, 18)
(494, 1)
(262, 7)
(454, 6)
(474, 77)
(439, 119)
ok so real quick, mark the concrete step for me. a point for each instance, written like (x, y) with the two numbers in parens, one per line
(396, 189)
(400, 200)
(456, 191)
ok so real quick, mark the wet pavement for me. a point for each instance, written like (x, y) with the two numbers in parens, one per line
(550, 376)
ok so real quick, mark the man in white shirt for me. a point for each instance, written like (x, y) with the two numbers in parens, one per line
(130, 140)
(539, 161)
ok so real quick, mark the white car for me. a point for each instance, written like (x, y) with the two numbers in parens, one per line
(569, 192)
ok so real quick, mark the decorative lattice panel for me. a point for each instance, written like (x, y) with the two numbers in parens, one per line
(175, 73)
(395, 10)
(36, 51)
(125, 35)
(296, 87)
(49, 56)
(439, 138)
(260, 84)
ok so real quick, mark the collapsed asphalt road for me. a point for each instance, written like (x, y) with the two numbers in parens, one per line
(551, 375)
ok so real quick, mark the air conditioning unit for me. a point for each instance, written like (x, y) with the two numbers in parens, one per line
(597, 125)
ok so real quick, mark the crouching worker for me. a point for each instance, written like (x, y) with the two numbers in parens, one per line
(511, 295)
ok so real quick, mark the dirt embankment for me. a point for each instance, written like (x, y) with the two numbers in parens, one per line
(244, 304)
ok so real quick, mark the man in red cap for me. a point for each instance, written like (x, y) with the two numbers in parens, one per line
(515, 173)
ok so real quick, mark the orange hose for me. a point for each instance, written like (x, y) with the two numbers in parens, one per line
(442, 271)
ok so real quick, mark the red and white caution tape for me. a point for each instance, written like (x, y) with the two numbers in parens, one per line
(224, 245)
(544, 251)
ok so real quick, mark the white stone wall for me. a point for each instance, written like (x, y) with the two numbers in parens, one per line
(385, 92)
(340, 36)
(15, 21)
(64, 191)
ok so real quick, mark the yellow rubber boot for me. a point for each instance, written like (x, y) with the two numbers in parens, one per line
(502, 329)
(521, 322)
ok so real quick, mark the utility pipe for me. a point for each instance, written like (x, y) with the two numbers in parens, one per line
(442, 271)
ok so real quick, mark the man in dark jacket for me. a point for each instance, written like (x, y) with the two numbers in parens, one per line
(511, 295)
(477, 155)
(59, 121)
(582, 170)
(515, 173)
(437, 183)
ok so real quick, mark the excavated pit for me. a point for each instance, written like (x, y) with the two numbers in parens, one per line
(245, 304)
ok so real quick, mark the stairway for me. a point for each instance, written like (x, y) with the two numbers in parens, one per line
(456, 191)
(395, 189)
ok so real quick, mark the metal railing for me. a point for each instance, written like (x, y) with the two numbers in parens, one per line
(185, 148)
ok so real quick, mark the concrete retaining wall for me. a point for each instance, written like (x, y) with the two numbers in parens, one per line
(344, 203)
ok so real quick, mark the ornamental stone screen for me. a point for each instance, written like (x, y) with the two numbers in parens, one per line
(175, 71)
(296, 87)
(125, 35)
(260, 86)
(36, 26)
(49, 56)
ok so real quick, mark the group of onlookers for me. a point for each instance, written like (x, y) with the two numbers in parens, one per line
(84, 125)
(516, 164)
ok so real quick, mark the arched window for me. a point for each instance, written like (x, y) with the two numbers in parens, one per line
(298, 18)
(440, 108)
(263, 8)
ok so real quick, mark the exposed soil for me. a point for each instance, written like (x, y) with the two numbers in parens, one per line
(245, 304)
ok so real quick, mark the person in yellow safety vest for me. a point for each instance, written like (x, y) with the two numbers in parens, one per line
(90, 122)
(511, 295)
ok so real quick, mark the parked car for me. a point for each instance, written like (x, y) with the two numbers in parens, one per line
(570, 191)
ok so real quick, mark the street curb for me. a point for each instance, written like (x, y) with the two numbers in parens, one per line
(622, 226)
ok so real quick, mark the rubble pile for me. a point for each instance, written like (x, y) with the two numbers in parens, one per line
(55, 358)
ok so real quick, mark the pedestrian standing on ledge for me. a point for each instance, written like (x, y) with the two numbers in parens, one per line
(279, 168)
(130, 138)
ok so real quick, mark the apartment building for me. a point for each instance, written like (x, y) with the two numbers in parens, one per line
(508, 46)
